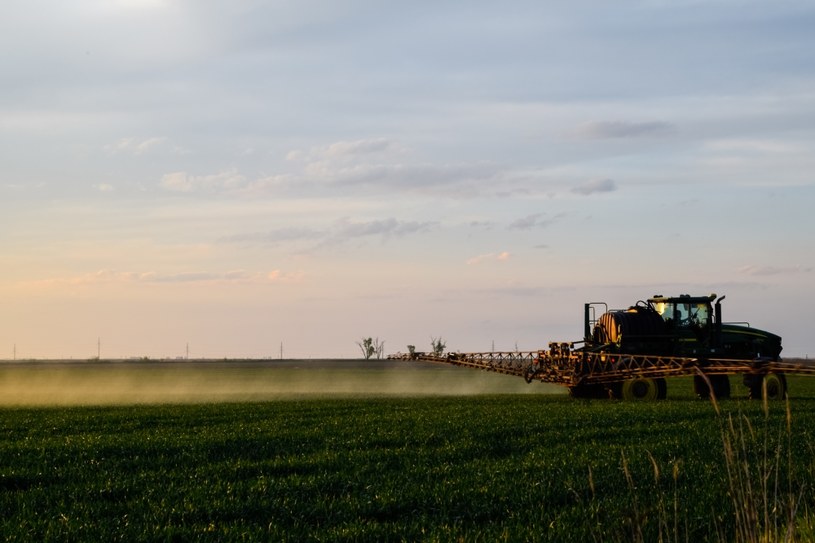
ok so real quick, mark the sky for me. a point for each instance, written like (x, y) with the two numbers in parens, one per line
(243, 178)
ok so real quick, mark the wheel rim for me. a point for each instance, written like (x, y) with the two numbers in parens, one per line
(640, 389)
(774, 387)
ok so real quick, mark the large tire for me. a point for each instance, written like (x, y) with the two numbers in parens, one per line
(719, 383)
(776, 386)
(642, 389)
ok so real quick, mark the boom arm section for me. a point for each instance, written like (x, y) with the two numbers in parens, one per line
(509, 363)
(564, 366)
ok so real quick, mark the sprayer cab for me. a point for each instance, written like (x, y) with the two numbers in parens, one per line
(691, 316)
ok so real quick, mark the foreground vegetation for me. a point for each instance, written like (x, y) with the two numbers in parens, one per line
(479, 468)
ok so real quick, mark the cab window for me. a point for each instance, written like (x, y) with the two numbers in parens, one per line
(684, 314)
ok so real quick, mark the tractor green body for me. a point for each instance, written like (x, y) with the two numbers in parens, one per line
(680, 326)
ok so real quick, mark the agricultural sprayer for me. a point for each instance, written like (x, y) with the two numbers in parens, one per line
(629, 353)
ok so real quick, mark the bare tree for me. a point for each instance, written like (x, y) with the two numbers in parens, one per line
(371, 347)
(379, 348)
(438, 345)
(366, 345)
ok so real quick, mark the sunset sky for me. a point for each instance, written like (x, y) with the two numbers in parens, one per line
(236, 175)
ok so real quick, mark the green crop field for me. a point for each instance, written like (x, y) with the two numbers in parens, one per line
(408, 467)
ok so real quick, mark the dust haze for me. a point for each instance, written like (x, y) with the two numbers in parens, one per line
(103, 383)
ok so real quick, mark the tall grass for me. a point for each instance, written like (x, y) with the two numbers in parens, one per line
(766, 485)
(765, 490)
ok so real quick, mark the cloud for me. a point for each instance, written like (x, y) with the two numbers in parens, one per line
(369, 168)
(360, 167)
(177, 182)
(487, 225)
(773, 270)
(535, 220)
(108, 276)
(489, 257)
(349, 229)
(274, 184)
(104, 187)
(752, 146)
(133, 146)
(342, 150)
(193, 277)
(360, 147)
(184, 182)
(278, 235)
(377, 164)
(526, 223)
(592, 187)
(402, 176)
(341, 231)
(276, 276)
(621, 129)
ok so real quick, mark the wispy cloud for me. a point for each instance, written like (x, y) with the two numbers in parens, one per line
(108, 276)
(535, 220)
(184, 182)
(773, 270)
(365, 166)
(340, 231)
(135, 146)
(600, 130)
(489, 257)
(360, 147)
(375, 167)
(482, 224)
(345, 149)
(751, 146)
(277, 235)
(347, 228)
(598, 185)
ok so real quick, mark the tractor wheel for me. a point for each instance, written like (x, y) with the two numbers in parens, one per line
(719, 383)
(775, 383)
(643, 389)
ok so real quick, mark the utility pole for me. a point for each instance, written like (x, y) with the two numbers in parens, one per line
(188, 350)
(281, 350)
(99, 348)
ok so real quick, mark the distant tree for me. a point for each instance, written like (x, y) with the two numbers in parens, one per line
(379, 348)
(438, 345)
(371, 347)
(412, 349)
(366, 345)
